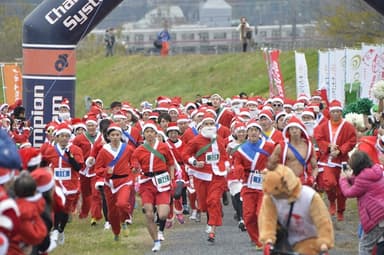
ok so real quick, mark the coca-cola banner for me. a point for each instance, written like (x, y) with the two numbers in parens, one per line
(276, 78)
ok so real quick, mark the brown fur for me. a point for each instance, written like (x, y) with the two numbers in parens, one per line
(283, 182)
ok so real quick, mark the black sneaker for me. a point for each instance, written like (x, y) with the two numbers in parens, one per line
(225, 199)
(242, 226)
(185, 209)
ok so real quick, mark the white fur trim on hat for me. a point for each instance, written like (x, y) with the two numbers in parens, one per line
(150, 125)
(114, 127)
(35, 160)
(6, 177)
(335, 108)
(91, 121)
(254, 124)
(46, 187)
(294, 124)
(63, 131)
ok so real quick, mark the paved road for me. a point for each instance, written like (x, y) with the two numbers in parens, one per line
(191, 239)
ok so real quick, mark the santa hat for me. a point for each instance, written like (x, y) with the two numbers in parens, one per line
(163, 99)
(210, 110)
(160, 131)
(190, 105)
(78, 123)
(30, 157)
(5, 175)
(280, 114)
(315, 107)
(308, 111)
(239, 126)
(316, 95)
(278, 99)
(98, 100)
(146, 109)
(253, 123)
(295, 122)
(153, 116)
(44, 179)
(303, 97)
(114, 126)
(298, 105)
(208, 116)
(65, 103)
(288, 103)
(163, 107)
(63, 128)
(91, 120)
(119, 115)
(50, 125)
(335, 105)
(172, 126)
(236, 99)
(173, 108)
(244, 112)
(2, 106)
(150, 124)
(266, 113)
(183, 118)
(252, 101)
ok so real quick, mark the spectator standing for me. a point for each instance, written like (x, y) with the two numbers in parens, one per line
(164, 37)
(109, 40)
(244, 29)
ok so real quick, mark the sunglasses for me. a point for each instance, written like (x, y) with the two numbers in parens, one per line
(277, 105)
(50, 131)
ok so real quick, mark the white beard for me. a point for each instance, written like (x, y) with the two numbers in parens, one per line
(254, 113)
(209, 132)
(64, 116)
(309, 126)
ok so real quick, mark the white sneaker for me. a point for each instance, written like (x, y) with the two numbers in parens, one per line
(107, 225)
(208, 229)
(61, 238)
(54, 235)
(156, 246)
(198, 217)
(193, 215)
(160, 236)
(53, 240)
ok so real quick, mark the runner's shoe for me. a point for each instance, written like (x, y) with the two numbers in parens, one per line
(242, 226)
(156, 246)
(107, 225)
(208, 229)
(211, 237)
(93, 222)
(125, 229)
(198, 217)
(180, 218)
(193, 215)
(160, 236)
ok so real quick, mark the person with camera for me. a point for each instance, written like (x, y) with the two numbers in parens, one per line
(364, 180)
(245, 32)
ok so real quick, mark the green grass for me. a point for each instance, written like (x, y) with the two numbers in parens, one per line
(83, 239)
(135, 78)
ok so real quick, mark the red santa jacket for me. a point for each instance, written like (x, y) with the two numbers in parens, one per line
(122, 171)
(58, 160)
(132, 136)
(86, 144)
(177, 149)
(215, 157)
(246, 158)
(345, 139)
(189, 134)
(368, 145)
(149, 163)
(224, 117)
(33, 230)
(9, 225)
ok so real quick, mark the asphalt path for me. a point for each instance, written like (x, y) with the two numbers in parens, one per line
(190, 238)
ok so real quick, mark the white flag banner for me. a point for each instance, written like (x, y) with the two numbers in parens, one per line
(332, 92)
(353, 67)
(371, 68)
(323, 80)
(302, 83)
(339, 65)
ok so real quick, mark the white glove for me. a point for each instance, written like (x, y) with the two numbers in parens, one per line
(90, 161)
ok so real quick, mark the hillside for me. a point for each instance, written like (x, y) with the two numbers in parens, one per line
(135, 78)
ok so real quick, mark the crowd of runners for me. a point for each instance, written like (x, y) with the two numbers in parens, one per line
(182, 159)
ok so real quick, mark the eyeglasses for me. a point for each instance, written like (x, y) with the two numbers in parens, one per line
(277, 105)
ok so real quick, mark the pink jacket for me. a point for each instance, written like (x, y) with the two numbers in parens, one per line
(368, 188)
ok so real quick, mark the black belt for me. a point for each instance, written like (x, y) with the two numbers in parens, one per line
(116, 176)
(151, 174)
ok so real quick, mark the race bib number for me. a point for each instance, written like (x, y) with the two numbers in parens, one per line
(212, 157)
(255, 181)
(62, 174)
(162, 180)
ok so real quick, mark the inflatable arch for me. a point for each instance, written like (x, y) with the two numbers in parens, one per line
(50, 34)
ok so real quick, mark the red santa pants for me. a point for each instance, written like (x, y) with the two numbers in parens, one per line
(91, 200)
(209, 195)
(150, 195)
(118, 206)
(330, 180)
(252, 199)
